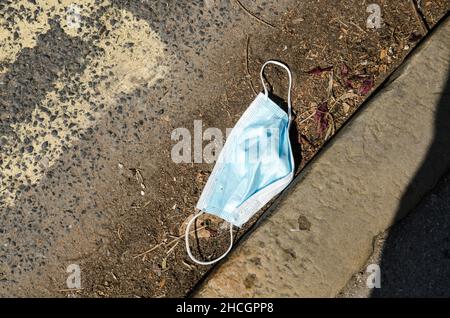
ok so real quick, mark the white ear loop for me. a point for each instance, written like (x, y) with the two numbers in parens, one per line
(188, 248)
(266, 92)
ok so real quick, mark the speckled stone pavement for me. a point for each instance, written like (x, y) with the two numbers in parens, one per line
(64, 84)
(90, 91)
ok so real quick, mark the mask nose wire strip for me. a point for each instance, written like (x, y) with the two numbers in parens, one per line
(188, 248)
(290, 83)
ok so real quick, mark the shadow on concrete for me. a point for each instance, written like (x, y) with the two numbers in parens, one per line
(415, 260)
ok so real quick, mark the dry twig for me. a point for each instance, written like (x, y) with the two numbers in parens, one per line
(247, 67)
(168, 244)
(254, 16)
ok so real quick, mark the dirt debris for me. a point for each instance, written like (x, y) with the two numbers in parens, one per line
(214, 54)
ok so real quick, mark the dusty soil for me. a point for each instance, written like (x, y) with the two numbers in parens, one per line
(432, 11)
(112, 200)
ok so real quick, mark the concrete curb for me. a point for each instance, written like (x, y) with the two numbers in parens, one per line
(372, 174)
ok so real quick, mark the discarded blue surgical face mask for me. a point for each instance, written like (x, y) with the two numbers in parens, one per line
(255, 164)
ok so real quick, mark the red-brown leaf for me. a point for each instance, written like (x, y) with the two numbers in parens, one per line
(366, 86)
(320, 117)
(345, 70)
(319, 70)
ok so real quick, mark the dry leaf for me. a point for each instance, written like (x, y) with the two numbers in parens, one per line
(346, 107)
(330, 85)
(320, 117)
(348, 95)
(366, 86)
(344, 70)
(203, 219)
(319, 70)
(330, 130)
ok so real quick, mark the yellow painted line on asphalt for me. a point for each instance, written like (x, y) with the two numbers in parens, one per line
(30, 30)
(131, 67)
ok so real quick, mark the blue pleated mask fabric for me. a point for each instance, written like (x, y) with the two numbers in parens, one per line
(255, 164)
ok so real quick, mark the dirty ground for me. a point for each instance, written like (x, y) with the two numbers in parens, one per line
(91, 91)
